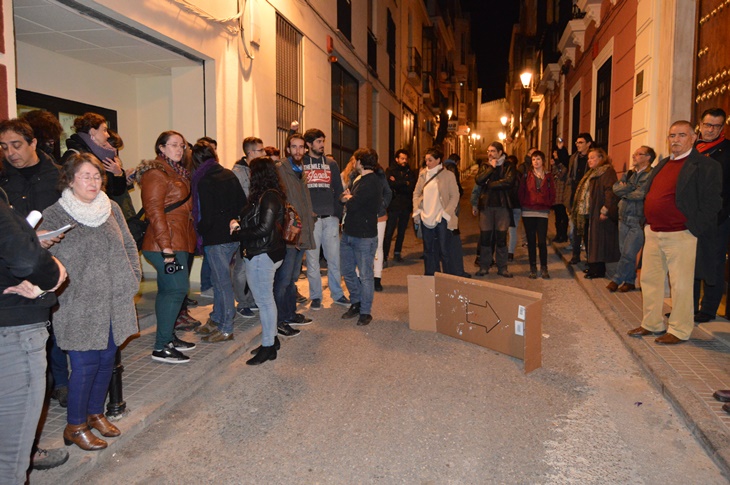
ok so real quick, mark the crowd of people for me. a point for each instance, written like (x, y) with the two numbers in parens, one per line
(258, 223)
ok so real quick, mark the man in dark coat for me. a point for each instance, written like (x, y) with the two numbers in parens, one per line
(712, 250)
(26, 270)
(681, 205)
(402, 181)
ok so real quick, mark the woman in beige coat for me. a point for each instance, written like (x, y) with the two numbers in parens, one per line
(435, 200)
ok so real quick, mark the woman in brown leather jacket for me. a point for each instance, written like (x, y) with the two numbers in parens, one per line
(170, 239)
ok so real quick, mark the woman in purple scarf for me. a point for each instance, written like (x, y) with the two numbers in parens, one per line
(217, 198)
(91, 137)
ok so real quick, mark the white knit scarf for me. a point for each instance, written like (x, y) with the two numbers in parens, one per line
(93, 214)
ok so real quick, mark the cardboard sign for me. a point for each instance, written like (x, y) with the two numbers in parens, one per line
(501, 318)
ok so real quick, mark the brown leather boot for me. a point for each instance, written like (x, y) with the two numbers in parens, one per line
(81, 435)
(102, 425)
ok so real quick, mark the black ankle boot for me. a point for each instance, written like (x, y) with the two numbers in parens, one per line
(378, 285)
(266, 353)
(277, 346)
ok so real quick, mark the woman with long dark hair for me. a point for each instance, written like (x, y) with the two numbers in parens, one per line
(170, 239)
(262, 248)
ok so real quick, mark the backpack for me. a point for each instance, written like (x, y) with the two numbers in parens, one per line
(291, 230)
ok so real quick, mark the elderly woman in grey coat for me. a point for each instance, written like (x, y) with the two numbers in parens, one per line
(96, 310)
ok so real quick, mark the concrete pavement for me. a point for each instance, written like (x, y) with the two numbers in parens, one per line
(686, 375)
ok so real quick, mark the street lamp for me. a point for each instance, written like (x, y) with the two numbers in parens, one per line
(501, 136)
(526, 77)
(449, 112)
(504, 119)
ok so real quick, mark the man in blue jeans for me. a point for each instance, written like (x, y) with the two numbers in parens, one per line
(631, 188)
(26, 270)
(360, 235)
(291, 175)
(324, 183)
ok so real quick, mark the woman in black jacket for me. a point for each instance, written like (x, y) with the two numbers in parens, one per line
(263, 249)
(217, 198)
(91, 137)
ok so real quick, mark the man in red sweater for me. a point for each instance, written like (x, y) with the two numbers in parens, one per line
(682, 202)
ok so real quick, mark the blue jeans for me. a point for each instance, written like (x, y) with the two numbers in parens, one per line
(59, 364)
(358, 254)
(261, 270)
(219, 256)
(285, 290)
(91, 371)
(243, 297)
(630, 241)
(171, 291)
(23, 385)
(438, 249)
(206, 281)
(326, 236)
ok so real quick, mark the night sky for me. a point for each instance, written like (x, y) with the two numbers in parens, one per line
(491, 29)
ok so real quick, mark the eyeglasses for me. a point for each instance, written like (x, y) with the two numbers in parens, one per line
(88, 178)
(175, 146)
(712, 125)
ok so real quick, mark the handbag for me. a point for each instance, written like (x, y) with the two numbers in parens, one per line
(138, 223)
(417, 225)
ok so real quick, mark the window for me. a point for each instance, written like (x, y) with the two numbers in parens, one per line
(391, 52)
(345, 138)
(372, 53)
(289, 105)
(344, 18)
(603, 103)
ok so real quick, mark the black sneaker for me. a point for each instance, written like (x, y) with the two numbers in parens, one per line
(170, 355)
(301, 298)
(298, 320)
(181, 345)
(44, 459)
(353, 312)
(364, 319)
(285, 330)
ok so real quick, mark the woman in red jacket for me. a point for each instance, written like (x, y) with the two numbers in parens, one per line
(537, 196)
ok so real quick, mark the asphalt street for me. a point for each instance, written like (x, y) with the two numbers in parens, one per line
(382, 403)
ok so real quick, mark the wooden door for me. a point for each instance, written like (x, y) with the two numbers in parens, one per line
(712, 57)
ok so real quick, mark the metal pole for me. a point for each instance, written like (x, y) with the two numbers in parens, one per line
(116, 406)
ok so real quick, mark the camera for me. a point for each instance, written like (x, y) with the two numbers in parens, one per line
(173, 267)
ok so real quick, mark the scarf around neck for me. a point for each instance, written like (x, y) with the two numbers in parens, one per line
(705, 146)
(99, 151)
(93, 214)
(177, 167)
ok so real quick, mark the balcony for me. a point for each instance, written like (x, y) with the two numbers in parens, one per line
(415, 65)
